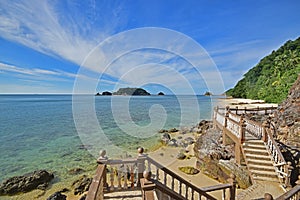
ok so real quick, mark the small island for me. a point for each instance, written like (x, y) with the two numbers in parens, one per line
(127, 92)
(207, 93)
(160, 94)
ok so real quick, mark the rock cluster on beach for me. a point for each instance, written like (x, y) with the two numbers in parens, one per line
(35, 180)
(215, 159)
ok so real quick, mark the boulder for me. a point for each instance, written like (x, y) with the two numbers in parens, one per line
(165, 138)
(173, 143)
(82, 184)
(35, 180)
(173, 130)
(57, 196)
(181, 156)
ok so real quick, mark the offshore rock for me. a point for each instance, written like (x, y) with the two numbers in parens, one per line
(35, 180)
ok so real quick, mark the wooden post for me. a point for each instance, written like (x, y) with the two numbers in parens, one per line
(103, 160)
(298, 183)
(242, 129)
(236, 111)
(265, 134)
(268, 196)
(141, 165)
(233, 182)
(225, 125)
(237, 152)
(288, 170)
(148, 186)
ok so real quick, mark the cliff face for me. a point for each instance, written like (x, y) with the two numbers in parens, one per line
(287, 117)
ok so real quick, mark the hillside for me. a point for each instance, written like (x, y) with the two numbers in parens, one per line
(272, 77)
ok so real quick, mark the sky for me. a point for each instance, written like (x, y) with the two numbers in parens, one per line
(174, 46)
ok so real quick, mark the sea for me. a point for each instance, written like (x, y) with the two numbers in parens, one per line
(62, 132)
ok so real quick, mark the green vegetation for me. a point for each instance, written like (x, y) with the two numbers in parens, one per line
(272, 77)
(189, 170)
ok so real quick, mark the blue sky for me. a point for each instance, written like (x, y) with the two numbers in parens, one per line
(44, 44)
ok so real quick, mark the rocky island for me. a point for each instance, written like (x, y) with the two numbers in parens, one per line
(126, 92)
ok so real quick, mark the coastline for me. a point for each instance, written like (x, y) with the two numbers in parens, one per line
(165, 155)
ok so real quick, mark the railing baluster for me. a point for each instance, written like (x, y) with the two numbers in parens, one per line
(224, 194)
(112, 177)
(157, 173)
(125, 176)
(192, 197)
(172, 183)
(132, 176)
(186, 192)
(119, 177)
(180, 187)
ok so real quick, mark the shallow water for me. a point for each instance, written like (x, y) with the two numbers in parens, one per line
(39, 132)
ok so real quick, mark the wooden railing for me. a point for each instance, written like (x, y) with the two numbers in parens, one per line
(97, 185)
(283, 168)
(293, 194)
(126, 174)
(253, 128)
(227, 119)
(258, 110)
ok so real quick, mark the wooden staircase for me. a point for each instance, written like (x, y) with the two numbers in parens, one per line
(258, 161)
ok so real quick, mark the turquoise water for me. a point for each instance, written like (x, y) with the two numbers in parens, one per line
(39, 131)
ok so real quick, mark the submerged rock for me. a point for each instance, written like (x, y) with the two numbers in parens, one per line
(35, 180)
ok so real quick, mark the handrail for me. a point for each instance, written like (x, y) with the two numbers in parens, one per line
(234, 127)
(96, 188)
(181, 180)
(254, 128)
(171, 193)
(293, 194)
(282, 167)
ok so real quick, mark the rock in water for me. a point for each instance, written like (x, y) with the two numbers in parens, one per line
(36, 180)
(82, 184)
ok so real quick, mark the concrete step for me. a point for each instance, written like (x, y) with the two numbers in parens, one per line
(261, 167)
(254, 146)
(266, 179)
(260, 162)
(256, 151)
(259, 173)
(125, 195)
(258, 142)
(257, 157)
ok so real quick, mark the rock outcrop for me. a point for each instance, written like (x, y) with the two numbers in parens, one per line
(36, 180)
(287, 117)
(211, 155)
